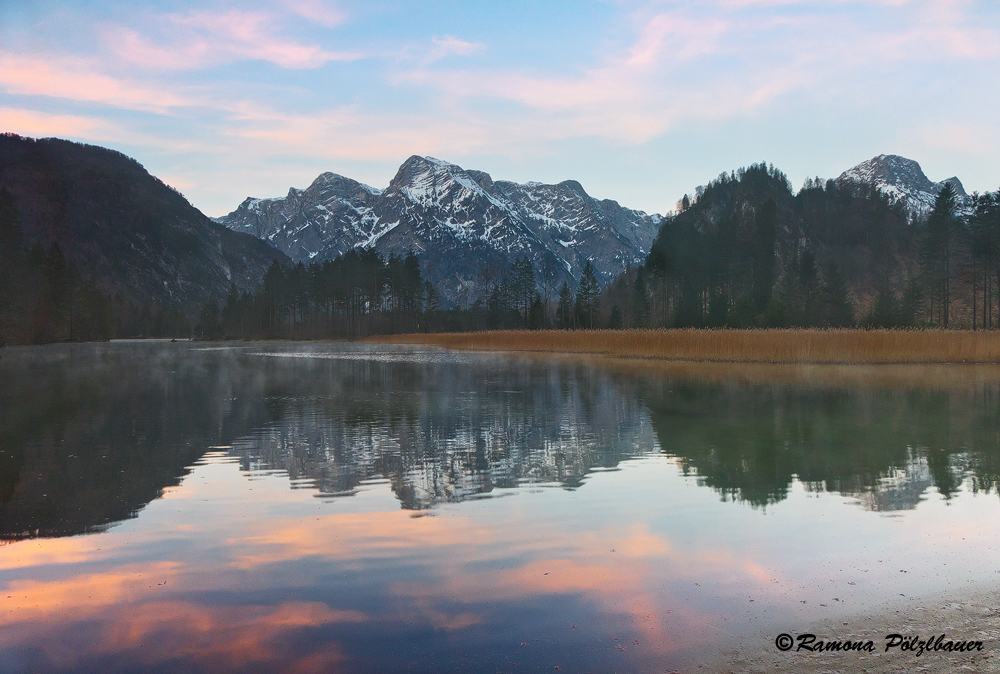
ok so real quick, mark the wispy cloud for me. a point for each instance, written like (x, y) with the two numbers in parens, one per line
(204, 38)
(722, 59)
(956, 136)
(34, 123)
(350, 132)
(78, 79)
(324, 13)
(676, 37)
(448, 45)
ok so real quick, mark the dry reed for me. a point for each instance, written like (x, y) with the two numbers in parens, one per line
(847, 347)
(908, 376)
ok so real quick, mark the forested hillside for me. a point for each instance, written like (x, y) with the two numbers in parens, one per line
(747, 252)
(95, 224)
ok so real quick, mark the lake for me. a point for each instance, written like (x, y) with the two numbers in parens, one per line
(283, 507)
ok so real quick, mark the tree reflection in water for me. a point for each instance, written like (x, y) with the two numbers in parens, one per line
(92, 433)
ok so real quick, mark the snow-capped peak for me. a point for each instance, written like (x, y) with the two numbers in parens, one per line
(902, 180)
(456, 221)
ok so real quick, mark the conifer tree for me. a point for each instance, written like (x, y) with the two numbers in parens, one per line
(615, 320)
(11, 267)
(837, 308)
(984, 226)
(209, 326)
(565, 308)
(762, 254)
(936, 253)
(886, 311)
(808, 279)
(640, 300)
(911, 307)
(588, 297)
(537, 319)
(10, 227)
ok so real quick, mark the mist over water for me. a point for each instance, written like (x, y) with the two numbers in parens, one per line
(343, 507)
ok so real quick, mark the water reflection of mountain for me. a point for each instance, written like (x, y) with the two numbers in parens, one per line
(884, 447)
(443, 432)
(89, 434)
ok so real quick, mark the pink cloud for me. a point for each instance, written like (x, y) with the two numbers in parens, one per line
(138, 50)
(77, 79)
(350, 132)
(39, 124)
(152, 628)
(956, 136)
(203, 38)
(675, 37)
(670, 72)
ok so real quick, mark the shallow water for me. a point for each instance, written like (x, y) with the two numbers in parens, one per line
(303, 507)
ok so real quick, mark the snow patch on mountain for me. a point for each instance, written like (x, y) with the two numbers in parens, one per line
(457, 221)
(903, 181)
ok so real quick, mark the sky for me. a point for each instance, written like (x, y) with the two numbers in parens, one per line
(640, 101)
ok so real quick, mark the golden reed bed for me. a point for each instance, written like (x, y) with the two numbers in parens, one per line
(848, 347)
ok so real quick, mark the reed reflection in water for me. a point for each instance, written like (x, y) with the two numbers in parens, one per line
(332, 507)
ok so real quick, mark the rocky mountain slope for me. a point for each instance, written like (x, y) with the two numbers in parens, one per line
(902, 180)
(139, 238)
(456, 221)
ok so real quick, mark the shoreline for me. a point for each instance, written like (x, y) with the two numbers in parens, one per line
(840, 374)
(727, 347)
(971, 614)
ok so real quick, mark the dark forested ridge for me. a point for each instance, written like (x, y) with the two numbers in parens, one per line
(82, 220)
(749, 252)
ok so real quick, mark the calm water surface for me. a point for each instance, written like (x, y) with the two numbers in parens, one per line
(312, 508)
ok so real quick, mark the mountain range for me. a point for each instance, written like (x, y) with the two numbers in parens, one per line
(143, 241)
(458, 222)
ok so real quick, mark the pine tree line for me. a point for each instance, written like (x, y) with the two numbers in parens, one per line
(357, 294)
(362, 293)
(959, 269)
